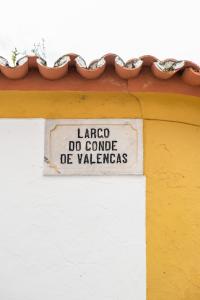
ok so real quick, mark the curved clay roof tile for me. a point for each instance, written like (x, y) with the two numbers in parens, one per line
(59, 70)
(192, 77)
(95, 69)
(132, 68)
(17, 72)
(167, 68)
(127, 70)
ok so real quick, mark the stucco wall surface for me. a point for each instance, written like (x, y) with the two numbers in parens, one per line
(171, 167)
(66, 237)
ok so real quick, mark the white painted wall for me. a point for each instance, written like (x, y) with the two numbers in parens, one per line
(76, 238)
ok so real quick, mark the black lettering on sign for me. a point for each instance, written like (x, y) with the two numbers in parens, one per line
(79, 134)
(69, 158)
(63, 159)
(114, 145)
(74, 145)
(99, 161)
(88, 146)
(66, 159)
(125, 158)
(102, 158)
(119, 160)
(112, 158)
(87, 134)
(100, 133)
(94, 146)
(101, 145)
(79, 156)
(106, 158)
(106, 133)
(93, 133)
(86, 159)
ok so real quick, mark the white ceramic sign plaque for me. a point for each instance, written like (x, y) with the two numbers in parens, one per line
(93, 147)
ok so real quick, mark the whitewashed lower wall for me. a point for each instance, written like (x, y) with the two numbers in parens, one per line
(76, 238)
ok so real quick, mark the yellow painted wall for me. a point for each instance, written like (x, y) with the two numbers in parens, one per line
(172, 168)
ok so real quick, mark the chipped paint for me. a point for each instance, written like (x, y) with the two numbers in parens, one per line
(52, 165)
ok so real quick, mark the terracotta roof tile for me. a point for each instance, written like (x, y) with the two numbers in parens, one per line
(189, 71)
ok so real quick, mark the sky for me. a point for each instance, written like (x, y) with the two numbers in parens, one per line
(91, 28)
